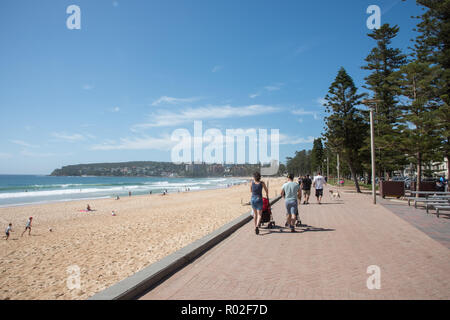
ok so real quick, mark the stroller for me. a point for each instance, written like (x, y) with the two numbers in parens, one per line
(267, 214)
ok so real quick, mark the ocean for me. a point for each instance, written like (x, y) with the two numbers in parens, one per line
(34, 189)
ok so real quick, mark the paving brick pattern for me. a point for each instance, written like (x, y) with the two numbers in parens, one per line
(436, 228)
(327, 260)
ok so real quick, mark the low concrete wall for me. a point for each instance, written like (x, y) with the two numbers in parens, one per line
(139, 283)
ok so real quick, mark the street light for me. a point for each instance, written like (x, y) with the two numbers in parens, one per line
(371, 103)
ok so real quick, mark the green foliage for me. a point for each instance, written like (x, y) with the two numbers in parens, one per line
(346, 126)
(317, 155)
(384, 61)
(300, 164)
(433, 45)
(419, 132)
(156, 169)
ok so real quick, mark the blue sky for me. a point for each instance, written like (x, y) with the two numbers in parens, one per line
(116, 89)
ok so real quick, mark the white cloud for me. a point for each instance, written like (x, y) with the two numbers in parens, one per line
(88, 87)
(303, 112)
(171, 100)
(217, 68)
(68, 137)
(321, 101)
(143, 143)
(274, 87)
(5, 155)
(26, 153)
(284, 139)
(115, 109)
(24, 144)
(301, 49)
(169, 118)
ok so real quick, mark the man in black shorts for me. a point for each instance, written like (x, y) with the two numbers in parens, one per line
(306, 187)
(319, 182)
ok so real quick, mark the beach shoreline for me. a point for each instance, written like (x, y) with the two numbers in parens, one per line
(107, 248)
(122, 193)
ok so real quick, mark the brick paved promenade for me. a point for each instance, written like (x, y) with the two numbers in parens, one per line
(327, 260)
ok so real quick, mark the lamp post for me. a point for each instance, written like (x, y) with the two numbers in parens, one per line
(328, 169)
(337, 166)
(371, 103)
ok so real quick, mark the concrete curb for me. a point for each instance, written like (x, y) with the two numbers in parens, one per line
(135, 285)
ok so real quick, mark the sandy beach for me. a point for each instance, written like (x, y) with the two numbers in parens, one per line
(107, 248)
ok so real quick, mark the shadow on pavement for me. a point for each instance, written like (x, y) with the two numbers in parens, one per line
(302, 229)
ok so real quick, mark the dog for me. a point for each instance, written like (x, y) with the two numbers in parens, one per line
(334, 194)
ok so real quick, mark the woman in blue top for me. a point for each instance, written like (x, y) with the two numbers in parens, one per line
(257, 201)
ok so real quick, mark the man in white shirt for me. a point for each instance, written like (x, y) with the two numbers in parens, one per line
(318, 184)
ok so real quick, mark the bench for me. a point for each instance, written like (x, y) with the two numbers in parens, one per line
(442, 208)
(429, 205)
(414, 198)
(429, 201)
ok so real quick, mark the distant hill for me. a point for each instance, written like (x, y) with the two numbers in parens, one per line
(155, 169)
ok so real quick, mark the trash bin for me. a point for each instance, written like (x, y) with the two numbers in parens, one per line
(392, 189)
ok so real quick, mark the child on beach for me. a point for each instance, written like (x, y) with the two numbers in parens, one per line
(88, 208)
(28, 227)
(8, 230)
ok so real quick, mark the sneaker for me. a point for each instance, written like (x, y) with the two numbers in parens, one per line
(304, 202)
(292, 229)
(257, 230)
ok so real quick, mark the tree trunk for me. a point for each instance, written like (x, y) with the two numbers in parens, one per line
(448, 167)
(355, 179)
(419, 172)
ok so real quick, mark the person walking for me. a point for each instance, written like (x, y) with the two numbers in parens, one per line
(300, 179)
(291, 192)
(257, 200)
(318, 183)
(306, 187)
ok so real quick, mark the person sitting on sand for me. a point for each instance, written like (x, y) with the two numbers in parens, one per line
(88, 208)
(113, 213)
(28, 227)
(8, 230)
